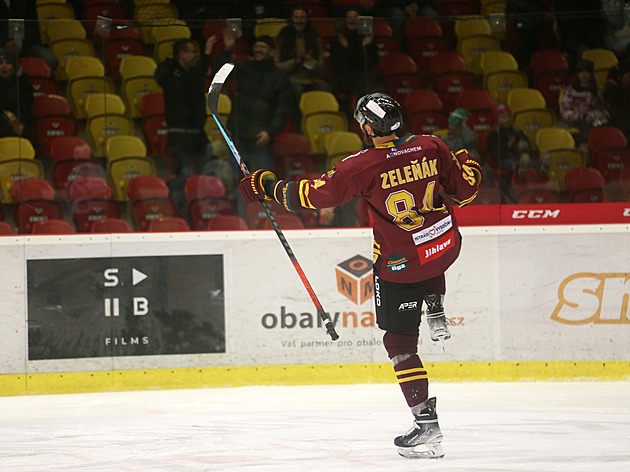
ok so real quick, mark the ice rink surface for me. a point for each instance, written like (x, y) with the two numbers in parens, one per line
(525, 426)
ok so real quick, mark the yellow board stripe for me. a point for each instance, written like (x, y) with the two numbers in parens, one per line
(409, 379)
(410, 371)
(324, 374)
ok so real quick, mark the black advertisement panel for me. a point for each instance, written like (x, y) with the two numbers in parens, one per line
(125, 306)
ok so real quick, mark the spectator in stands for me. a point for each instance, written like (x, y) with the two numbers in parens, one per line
(29, 45)
(525, 22)
(183, 80)
(298, 52)
(580, 26)
(617, 96)
(507, 147)
(353, 57)
(582, 105)
(16, 98)
(261, 104)
(459, 135)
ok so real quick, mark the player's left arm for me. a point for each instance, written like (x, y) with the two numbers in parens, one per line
(325, 192)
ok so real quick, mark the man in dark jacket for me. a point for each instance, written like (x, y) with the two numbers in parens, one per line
(183, 80)
(261, 104)
(16, 98)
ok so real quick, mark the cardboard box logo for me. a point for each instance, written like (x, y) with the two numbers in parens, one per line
(354, 279)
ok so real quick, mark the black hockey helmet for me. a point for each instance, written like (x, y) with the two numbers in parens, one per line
(379, 110)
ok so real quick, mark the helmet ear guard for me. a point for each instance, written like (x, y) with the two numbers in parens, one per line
(381, 111)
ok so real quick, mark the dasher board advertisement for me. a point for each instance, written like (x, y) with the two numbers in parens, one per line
(125, 306)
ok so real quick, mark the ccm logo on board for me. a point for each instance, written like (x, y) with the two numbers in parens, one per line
(534, 214)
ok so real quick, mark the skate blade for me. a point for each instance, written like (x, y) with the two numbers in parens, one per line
(423, 451)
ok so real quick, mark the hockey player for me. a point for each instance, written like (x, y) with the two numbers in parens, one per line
(415, 238)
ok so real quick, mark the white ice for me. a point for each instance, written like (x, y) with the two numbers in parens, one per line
(506, 427)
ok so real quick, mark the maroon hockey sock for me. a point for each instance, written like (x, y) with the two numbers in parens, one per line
(413, 380)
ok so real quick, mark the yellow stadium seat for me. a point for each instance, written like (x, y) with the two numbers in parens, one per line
(471, 26)
(80, 89)
(84, 66)
(155, 14)
(472, 48)
(13, 147)
(521, 99)
(65, 28)
(125, 146)
(603, 60)
(134, 89)
(86, 76)
(316, 125)
(316, 100)
(104, 104)
(499, 84)
(65, 49)
(170, 33)
(495, 61)
(559, 162)
(120, 171)
(224, 107)
(530, 121)
(100, 128)
(52, 11)
(340, 144)
(15, 169)
(137, 66)
(269, 26)
(551, 139)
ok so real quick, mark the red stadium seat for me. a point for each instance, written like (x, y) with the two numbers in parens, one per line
(285, 221)
(584, 184)
(111, 225)
(6, 229)
(610, 162)
(169, 224)
(226, 223)
(34, 200)
(605, 137)
(447, 61)
(539, 196)
(117, 49)
(150, 199)
(450, 85)
(52, 118)
(72, 159)
(91, 200)
(52, 226)
(35, 67)
(206, 200)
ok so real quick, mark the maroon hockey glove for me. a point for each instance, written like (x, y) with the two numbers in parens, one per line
(252, 187)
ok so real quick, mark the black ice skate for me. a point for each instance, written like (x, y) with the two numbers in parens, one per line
(424, 438)
(436, 318)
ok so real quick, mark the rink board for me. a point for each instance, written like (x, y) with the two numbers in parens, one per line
(133, 311)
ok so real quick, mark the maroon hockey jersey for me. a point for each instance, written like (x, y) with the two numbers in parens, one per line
(415, 232)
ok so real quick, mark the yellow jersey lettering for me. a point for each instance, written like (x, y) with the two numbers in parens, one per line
(384, 184)
(401, 179)
(433, 165)
(392, 178)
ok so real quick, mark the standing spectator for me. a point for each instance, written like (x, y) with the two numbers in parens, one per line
(183, 80)
(29, 45)
(507, 147)
(582, 104)
(16, 98)
(617, 96)
(261, 104)
(459, 135)
(352, 57)
(299, 53)
(415, 239)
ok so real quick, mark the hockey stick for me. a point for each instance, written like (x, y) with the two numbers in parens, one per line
(213, 101)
